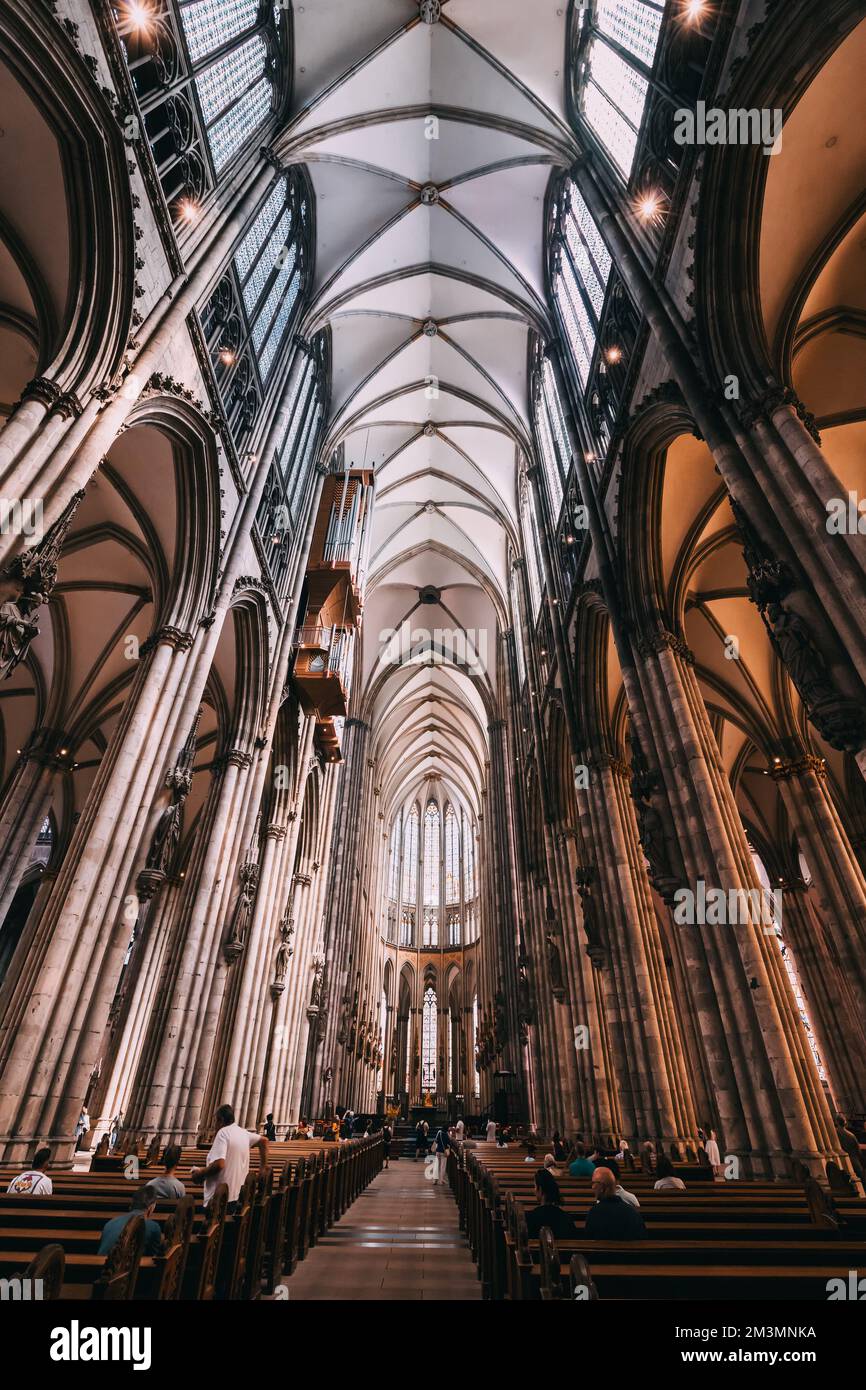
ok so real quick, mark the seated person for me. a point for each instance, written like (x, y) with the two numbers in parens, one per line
(560, 1153)
(611, 1218)
(168, 1186)
(33, 1181)
(667, 1178)
(581, 1166)
(613, 1167)
(549, 1210)
(550, 1166)
(143, 1204)
(530, 1154)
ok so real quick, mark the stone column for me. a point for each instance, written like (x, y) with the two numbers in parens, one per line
(663, 1106)
(56, 1012)
(769, 1100)
(163, 1102)
(340, 916)
(26, 805)
(827, 996)
(838, 886)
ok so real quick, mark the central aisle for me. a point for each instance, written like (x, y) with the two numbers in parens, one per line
(400, 1239)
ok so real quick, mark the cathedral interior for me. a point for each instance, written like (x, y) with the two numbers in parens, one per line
(433, 621)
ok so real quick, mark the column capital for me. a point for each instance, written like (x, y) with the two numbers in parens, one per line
(233, 757)
(606, 762)
(172, 636)
(777, 397)
(651, 643)
(783, 771)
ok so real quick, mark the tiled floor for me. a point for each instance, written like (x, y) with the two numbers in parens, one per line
(399, 1240)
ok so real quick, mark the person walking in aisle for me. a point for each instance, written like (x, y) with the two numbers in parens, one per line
(441, 1145)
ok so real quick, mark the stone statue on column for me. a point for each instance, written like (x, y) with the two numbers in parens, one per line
(283, 956)
(645, 786)
(166, 836)
(595, 947)
(839, 718)
(26, 583)
(243, 909)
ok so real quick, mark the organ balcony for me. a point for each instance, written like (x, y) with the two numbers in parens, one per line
(322, 669)
(328, 738)
(335, 569)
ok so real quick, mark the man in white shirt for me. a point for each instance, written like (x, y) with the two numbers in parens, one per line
(229, 1158)
(33, 1181)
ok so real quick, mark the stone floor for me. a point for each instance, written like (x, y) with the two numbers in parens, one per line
(399, 1240)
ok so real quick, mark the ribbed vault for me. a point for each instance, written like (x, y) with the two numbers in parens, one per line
(430, 147)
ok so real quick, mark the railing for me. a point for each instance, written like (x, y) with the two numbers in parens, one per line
(319, 637)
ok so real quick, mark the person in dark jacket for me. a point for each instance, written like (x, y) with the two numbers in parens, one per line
(549, 1210)
(143, 1204)
(270, 1128)
(611, 1218)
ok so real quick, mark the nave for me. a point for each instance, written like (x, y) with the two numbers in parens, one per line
(433, 639)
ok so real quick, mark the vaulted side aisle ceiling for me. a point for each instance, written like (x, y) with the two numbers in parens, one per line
(430, 147)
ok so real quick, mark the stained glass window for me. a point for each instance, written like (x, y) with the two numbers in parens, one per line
(431, 855)
(428, 1041)
(469, 889)
(517, 627)
(452, 856)
(580, 284)
(476, 1077)
(209, 24)
(394, 861)
(268, 266)
(552, 433)
(533, 555)
(632, 24)
(410, 857)
(615, 91)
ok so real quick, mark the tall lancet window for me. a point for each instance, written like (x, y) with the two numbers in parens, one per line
(248, 319)
(432, 862)
(517, 626)
(394, 859)
(209, 24)
(410, 878)
(469, 887)
(452, 875)
(580, 279)
(552, 435)
(207, 75)
(619, 59)
(452, 856)
(532, 545)
(428, 1041)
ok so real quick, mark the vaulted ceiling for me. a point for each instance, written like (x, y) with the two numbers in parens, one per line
(430, 147)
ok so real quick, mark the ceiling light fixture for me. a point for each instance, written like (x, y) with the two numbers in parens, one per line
(139, 15)
(613, 354)
(648, 206)
(190, 211)
(694, 11)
